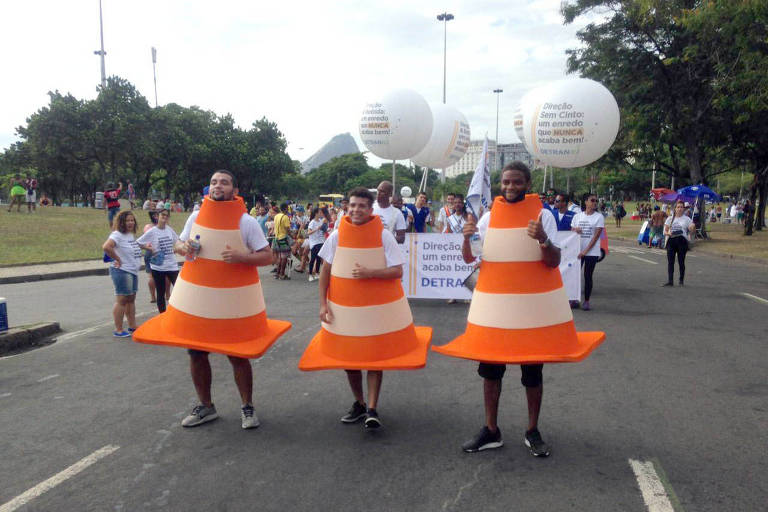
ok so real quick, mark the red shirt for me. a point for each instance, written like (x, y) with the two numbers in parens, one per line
(112, 197)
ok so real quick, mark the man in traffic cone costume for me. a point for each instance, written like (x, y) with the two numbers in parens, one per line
(366, 319)
(519, 311)
(217, 304)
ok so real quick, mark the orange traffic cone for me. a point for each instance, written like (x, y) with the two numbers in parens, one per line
(216, 306)
(519, 311)
(372, 327)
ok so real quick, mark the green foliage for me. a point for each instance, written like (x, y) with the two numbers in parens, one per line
(76, 146)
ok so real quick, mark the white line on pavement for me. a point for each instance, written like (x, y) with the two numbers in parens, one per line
(643, 259)
(754, 297)
(42, 487)
(651, 487)
(49, 377)
(5, 395)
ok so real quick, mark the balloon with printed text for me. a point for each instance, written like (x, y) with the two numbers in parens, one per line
(568, 123)
(396, 126)
(449, 141)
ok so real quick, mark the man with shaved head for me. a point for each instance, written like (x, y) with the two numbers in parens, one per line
(391, 217)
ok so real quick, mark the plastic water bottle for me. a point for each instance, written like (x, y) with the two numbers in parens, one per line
(194, 246)
(476, 244)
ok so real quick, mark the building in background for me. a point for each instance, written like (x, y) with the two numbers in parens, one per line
(471, 158)
(511, 152)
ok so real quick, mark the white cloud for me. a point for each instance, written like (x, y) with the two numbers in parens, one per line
(309, 66)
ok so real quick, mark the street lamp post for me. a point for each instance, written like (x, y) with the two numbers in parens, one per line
(101, 52)
(154, 72)
(496, 159)
(445, 18)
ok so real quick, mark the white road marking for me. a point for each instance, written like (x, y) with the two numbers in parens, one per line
(5, 395)
(49, 377)
(42, 487)
(643, 259)
(754, 297)
(653, 491)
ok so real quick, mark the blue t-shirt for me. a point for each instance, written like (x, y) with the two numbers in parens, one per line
(563, 219)
(420, 216)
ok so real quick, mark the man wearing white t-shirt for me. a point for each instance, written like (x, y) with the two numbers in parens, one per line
(391, 217)
(445, 212)
(257, 253)
(360, 212)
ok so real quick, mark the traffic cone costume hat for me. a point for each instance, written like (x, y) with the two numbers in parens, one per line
(372, 327)
(519, 311)
(216, 306)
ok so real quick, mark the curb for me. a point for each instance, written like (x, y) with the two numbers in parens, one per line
(734, 257)
(54, 275)
(24, 337)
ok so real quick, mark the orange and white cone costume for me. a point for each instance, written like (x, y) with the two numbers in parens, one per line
(519, 311)
(216, 306)
(372, 327)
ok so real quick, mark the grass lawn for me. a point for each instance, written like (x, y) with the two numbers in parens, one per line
(724, 238)
(60, 234)
(67, 234)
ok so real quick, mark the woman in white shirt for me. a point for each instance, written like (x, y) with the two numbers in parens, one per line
(678, 228)
(121, 246)
(318, 226)
(589, 225)
(160, 240)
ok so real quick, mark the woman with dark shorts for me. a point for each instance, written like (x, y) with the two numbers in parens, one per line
(121, 246)
(160, 240)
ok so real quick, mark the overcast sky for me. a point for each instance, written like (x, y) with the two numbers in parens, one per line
(309, 66)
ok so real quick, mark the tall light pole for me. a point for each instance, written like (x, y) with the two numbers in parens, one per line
(445, 18)
(101, 52)
(496, 159)
(154, 71)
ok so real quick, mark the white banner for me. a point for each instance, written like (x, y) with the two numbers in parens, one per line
(434, 267)
(570, 266)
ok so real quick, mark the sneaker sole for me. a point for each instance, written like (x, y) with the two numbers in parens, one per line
(256, 424)
(372, 425)
(352, 420)
(487, 446)
(531, 450)
(205, 419)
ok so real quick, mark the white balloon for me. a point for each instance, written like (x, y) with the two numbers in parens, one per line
(406, 191)
(397, 126)
(449, 140)
(569, 123)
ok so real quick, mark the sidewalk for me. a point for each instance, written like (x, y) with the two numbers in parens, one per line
(44, 271)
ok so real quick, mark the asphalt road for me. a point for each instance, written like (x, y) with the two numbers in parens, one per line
(681, 381)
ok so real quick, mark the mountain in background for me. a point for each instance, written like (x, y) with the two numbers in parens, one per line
(342, 144)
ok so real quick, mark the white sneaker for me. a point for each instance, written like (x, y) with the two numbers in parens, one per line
(249, 420)
(199, 415)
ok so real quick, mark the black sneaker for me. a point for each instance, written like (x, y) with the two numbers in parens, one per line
(681, 283)
(536, 444)
(484, 440)
(355, 414)
(372, 421)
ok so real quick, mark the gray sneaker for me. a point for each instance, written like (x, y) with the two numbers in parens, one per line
(199, 415)
(249, 419)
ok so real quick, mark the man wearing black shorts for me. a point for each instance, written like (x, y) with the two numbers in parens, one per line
(515, 182)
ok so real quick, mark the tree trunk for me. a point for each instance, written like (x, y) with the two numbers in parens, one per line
(693, 154)
(760, 210)
(750, 215)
